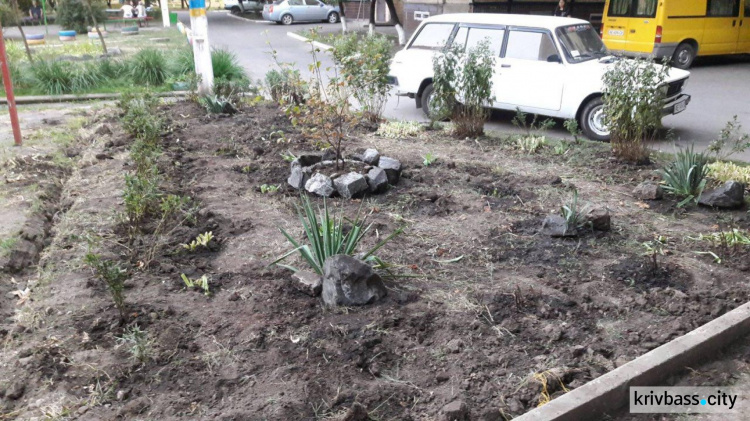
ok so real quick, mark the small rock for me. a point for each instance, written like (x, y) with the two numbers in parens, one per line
(356, 413)
(23, 255)
(320, 184)
(377, 180)
(15, 391)
(556, 226)
(442, 377)
(235, 296)
(392, 168)
(123, 394)
(454, 346)
(308, 282)
(515, 406)
(350, 185)
(600, 219)
(729, 196)
(348, 281)
(648, 191)
(371, 156)
(297, 178)
(578, 350)
(456, 411)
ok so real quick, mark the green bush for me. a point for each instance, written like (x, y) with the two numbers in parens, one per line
(52, 77)
(226, 67)
(149, 67)
(86, 76)
(73, 14)
(466, 77)
(686, 175)
(364, 64)
(8, 16)
(286, 85)
(633, 98)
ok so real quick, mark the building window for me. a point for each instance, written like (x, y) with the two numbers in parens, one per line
(421, 15)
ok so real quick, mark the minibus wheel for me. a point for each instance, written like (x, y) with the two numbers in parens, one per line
(592, 120)
(683, 56)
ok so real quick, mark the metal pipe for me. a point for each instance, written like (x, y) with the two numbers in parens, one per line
(9, 91)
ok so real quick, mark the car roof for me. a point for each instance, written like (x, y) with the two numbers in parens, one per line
(546, 22)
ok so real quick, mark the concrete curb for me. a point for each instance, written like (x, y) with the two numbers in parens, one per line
(44, 99)
(298, 37)
(608, 393)
(264, 22)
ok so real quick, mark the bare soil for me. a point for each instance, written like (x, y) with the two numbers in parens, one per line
(488, 310)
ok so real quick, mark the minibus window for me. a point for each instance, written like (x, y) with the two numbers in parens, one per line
(619, 8)
(433, 36)
(723, 8)
(646, 8)
(581, 43)
(632, 8)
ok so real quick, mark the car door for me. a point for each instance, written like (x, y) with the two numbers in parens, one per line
(529, 73)
(314, 10)
(470, 36)
(722, 27)
(743, 45)
(297, 9)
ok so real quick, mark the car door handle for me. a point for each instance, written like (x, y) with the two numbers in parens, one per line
(505, 66)
(734, 22)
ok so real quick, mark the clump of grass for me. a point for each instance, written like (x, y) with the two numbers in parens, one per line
(113, 275)
(201, 240)
(7, 245)
(226, 67)
(326, 237)
(531, 144)
(86, 76)
(140, 345)
(575, 215)
(52, 77)
(400, 129)
(686, 175)
(149, 67)
(725, 171)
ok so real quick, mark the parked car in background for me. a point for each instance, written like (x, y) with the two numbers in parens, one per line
(677, 29)
(544, 65)
(238, 7)
(289, 11)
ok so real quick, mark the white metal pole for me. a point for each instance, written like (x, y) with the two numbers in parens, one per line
(201, 50)
(164, 5)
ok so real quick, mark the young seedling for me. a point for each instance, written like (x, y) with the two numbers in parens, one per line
(113, 276)
(429, 159)
(288, 156)
(574, 216)
(200, 240)
(571, 125)
(138, 342)
(266, 188)
(201, 283)
(655, 248)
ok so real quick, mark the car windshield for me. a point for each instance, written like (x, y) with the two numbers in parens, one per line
(581, 43)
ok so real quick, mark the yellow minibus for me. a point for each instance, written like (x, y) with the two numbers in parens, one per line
(680, 29)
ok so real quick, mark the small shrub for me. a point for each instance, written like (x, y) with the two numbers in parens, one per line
(653, 249)
(140, 345)
(575, 216)
(399, 129)
(521, 120)
(74, 15)
(141, 195)
(201, 240)
(285, 85)
(571, 125)
(201, 283)
(364, 64)
(561, 148)
(730, 141)
(686, 175)
(464, 77)
(633, 97)
(217, 105)
(52, 77)
(113, 276)
(226, 67)
(531, 144)
(326, 237)
(149, 67)
(428, 159)
(139, 118)
(725, 171)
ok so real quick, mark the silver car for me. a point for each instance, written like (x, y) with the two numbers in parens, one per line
(289, 11)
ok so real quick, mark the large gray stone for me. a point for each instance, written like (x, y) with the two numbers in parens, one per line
(377, 180)
(599, 218)
(350, 282)
(648, 191)
(729, 196)
(392, 168)
(556, 226)
(308, 282)
(350, 185)
(298, 177)
(320, 184)
(311, 158)
(371, 156)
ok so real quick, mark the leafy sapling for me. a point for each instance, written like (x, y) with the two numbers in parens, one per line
(429, 159)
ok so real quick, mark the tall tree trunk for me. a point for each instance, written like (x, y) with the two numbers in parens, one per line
(372, 17)
(342, 16)
(20, 29)
(396, 22)
(96, 25)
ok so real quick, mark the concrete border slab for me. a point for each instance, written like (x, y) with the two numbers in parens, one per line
(609, 393)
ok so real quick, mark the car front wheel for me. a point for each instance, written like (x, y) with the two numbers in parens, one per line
(592, 120)
(287, 19)
(426, 99)
(333, 17)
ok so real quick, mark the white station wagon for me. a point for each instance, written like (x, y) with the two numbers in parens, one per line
(545, 65)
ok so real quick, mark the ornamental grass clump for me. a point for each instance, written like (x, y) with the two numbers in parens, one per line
(686, 175)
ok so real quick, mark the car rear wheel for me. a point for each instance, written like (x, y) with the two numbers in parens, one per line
(427, 99)
(235, 10)
(683, 56)
(287, 19)
(592, 120)
(333, 17)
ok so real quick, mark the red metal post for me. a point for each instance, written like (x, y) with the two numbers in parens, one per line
(9, 91)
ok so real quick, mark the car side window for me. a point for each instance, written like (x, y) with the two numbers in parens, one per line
(433, 36)
(728, 8)
(494, 38)
(295, 2)
(525, 45)
(747, 8)
(311, 2)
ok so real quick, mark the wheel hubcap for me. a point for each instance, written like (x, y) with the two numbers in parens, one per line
(683, 57)
(287, 19)
(332, 19)
(597, 123)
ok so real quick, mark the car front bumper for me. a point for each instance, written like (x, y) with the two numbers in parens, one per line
(676, 105)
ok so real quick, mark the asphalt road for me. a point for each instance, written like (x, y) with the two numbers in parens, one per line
(720, 87)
